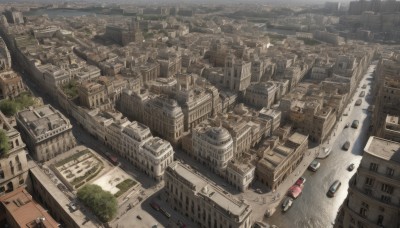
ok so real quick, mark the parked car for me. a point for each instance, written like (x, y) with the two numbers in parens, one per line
(355, 124)
(364, 86)
(351, 167)
(155, 206)
(358, 102)
(295, 191)
(301, 181)
(287, 203)
(346, 145)
(362, 94)
(165, 213)
(334, 187)
(347, 125)
(325, 152)
(314, 166)
(345, 114)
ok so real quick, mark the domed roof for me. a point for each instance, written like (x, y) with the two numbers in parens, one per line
(218, 134)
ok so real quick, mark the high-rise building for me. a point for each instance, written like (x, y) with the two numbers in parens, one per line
(374, 192)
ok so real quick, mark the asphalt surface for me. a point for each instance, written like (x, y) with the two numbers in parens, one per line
(314, 209)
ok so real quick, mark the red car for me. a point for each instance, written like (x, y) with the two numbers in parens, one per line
(300, 181)
(295, 191)
(155, 206)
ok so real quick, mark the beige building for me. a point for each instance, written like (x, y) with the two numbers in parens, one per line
(13, 163)
(280, 159)
(261, 95)
(194, 196)
(237, 74)
(391, 129)
(240, 173)
(46, 132)
(11, 85)
(170, 63)
(213, 146)
(93, 95)
(374, 192)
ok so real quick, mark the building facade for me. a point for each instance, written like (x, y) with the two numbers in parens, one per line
(194, 196)
(374, 192)
(46, 132)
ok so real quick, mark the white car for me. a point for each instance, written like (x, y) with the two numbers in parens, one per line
(314, 166)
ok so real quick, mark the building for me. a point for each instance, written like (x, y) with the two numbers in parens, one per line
(170, 63)
(374, 192)
(122, 35)
(18, 209)
(157, 155)
(11, 85)
(195, 196)
(93, 95)
(237, 74)
(46, 132)
(13, 163)
(280, 160)
(5, 57)
(213, 146)
(261, 95)
(391, 129)
(240, 173)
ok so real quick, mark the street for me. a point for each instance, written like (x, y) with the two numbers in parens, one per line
(313, 208)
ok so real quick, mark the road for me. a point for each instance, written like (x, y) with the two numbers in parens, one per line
(313, 208)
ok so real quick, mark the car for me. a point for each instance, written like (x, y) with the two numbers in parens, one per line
(259, 191)
(364, 86)
(351, 167)
(355, 124)
(300, 181)
(347, 125)
(358, 102)
(287, 203)
(138, 217)
(295, 191)
(165, 213)
(334, 188)
(346, 145)
(325, 152)
(314, 166)
(362, 94)
(345, 114)
(155, 206)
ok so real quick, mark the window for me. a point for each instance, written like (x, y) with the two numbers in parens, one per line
(385, 198)
(380, 220)
(389, 171)
(373, 167)
(369, 181)
(363, 212)
(387, 188)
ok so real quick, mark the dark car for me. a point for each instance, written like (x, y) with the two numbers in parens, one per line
(155, 206)
(355, 124)
(346, 145)
(351, 167)
(140, 218)
(334, 187)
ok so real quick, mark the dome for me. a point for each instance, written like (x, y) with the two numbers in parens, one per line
(218, 134)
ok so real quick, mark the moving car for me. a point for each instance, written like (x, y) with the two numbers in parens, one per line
(287, 203)
(314, 166)
(300, 181)
(351, 167)
(355, 124)
(295, 191)
(362, 94)
(358, 102)
(334, 187)
(138, 217)
(346, 145)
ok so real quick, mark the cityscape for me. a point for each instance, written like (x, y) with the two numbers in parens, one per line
(213, 114)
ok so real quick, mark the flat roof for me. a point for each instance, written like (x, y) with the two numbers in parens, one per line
(25, 211)
(383, 149)
(200, 183)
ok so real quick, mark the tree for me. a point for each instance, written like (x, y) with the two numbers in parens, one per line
(4, 145)
(8, 107)
(102, 203)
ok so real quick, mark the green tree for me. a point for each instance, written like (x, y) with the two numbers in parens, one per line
(102, 203)
(4, 146)
(8, 107)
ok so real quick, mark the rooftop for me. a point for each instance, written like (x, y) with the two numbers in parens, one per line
(25, 211)
(384, 149)
(203, 186)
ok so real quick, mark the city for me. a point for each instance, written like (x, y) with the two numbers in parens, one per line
(200, 114)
